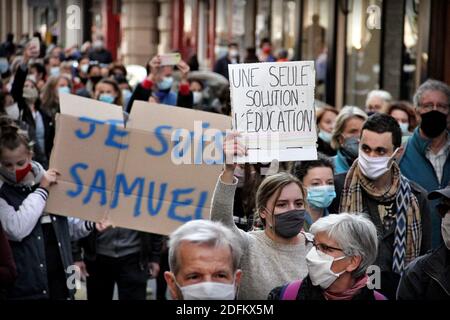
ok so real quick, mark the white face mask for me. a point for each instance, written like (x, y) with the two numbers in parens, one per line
(319, 268)
(197, 97)
(234, 53)
(13, 111)
(445, 229)
(374, 167)
(209, 291)
(84, 68)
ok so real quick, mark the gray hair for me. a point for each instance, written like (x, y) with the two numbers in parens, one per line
(346, 113)
(382, 94)
(431, 85)
(354, 233)
(203, 232)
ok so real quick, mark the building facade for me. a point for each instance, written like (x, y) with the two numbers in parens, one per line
(357, 45)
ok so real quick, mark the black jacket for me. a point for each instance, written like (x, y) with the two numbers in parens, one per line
(102, 56)
(325, 148)
(390, 279)
(151, 245)
(221, 66)
(427, 277)
(8, 272)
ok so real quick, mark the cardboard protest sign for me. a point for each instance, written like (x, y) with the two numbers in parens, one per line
(273, 109)
(153, 175)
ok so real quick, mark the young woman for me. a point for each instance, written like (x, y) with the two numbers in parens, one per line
(26, 95)
(318, 178)
(326, 119)
(276, 254)
(107, 90)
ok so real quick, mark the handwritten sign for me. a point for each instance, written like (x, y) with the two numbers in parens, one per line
(133, 175)
(273, 109)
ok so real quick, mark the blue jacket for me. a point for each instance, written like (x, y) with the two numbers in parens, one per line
(340, 163)
(416, 167)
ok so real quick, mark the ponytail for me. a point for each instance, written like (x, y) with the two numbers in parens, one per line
(11, 136)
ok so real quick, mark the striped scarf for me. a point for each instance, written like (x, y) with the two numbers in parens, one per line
(408, 228)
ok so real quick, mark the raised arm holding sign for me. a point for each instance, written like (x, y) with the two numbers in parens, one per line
(273, 109)
(133, 175)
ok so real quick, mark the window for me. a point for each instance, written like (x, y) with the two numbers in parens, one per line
(363, 43)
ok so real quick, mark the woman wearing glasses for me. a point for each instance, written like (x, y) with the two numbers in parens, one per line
(345, 245)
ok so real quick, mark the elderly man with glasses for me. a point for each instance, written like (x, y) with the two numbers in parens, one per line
(426, 159)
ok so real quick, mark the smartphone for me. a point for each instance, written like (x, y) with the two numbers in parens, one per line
(170, 59)
(36, 44)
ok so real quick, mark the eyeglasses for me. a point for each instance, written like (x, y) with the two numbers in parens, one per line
(439, 107)
(325, 248)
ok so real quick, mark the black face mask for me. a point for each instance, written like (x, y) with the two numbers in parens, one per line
(95, 79)
(288, 224)
(433, 123)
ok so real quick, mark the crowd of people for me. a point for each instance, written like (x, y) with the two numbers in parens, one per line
(378, 195)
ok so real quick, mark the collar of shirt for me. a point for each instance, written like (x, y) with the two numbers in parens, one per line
(445, 149)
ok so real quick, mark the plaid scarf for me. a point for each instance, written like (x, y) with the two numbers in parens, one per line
(408, 228)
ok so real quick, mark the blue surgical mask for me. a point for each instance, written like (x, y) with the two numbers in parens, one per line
(54, 71)
(325, 136)
(404, 127)
(106, 97)
(4, 65)
(321, 196)
(126, 94)
(166, 83)
(65, 89)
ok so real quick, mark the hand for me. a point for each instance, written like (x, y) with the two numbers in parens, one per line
(184, 69)
(83, 270)
(231, 148)
(103, 225)
(153, 269)
(49, 178)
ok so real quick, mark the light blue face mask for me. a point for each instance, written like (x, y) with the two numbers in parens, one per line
(65, 89)
(106, 97)
(54, 71)
(166, 83)
(404, 127)
(126, 94)
(321, 196)
(4, 65)
(325, 136)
